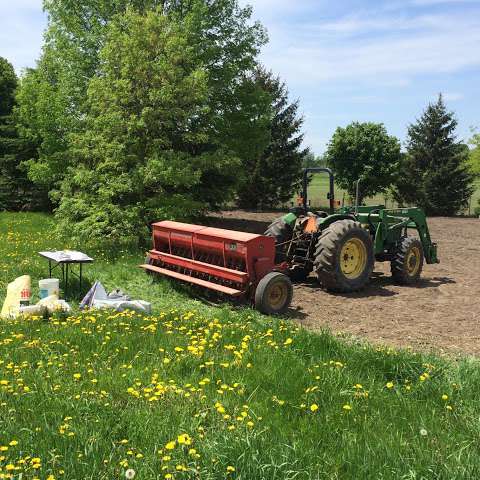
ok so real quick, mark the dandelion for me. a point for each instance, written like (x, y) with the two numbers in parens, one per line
(13, 443)
(184, 439)
(130, 473)
(444, 398)
(230, 469)
(347, 407)
(314, 407)
(389, 385)
(171, 445)
(77, 376)
(449, 407)
(288, 341)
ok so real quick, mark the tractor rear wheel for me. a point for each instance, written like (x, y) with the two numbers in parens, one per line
(344, 257)
(282, 232)
(273, 294)
(407, 264)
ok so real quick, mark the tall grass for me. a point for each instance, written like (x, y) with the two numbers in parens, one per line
(195, 391)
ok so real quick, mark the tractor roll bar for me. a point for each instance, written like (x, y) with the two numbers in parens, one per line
(331, 195)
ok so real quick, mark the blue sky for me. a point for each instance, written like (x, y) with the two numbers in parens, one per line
(346, 60)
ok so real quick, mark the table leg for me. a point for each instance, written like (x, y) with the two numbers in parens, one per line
(66, 280)
(81, 264)
(49, 269)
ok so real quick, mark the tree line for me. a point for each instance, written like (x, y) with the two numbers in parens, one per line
(146, 109)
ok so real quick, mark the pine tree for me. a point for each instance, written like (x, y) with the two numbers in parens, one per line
(273, 175)
(435, 174)
(17, 192)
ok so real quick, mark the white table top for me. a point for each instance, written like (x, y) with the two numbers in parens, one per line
(67, 256)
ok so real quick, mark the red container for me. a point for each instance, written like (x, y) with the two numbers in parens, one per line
(225, 260)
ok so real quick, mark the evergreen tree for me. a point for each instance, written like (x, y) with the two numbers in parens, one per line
(273, 173)
(16, 191)
(53, 99)
(435, 174)
(147, 151)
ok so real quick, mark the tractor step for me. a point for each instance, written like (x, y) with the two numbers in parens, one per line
(196, 281)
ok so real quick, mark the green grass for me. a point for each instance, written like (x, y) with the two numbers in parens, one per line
(93, 394)
(319, 188)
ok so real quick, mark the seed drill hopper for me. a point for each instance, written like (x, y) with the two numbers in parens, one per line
(235, 264)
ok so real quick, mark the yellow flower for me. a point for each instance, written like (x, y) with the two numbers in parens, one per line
(9, 467)
(184, 439)
(50, 477)
(358, 386)
(347, 407)
(168, 476)
(171, 445)
(314, 407)
(444, 397)
(230, 469)
(13, 443)
(389, 385)
(449, 407)
(77, 376)
(288, 341)
(124, 441)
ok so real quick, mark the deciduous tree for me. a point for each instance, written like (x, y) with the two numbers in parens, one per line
(365, 152)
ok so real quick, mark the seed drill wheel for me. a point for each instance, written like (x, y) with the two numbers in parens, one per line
(407, 264)
(344, 257)
(273, 294)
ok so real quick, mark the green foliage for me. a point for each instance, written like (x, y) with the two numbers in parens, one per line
(273, 160)
(54, 97)
(474, 155)
(435, 174)
(17, 192)
(83, 386)
(147, 151)
(363, 151)
(310, 160)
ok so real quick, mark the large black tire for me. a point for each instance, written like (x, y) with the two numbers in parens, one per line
(273, 294)
(282, 232)
(344, 257)
(407, 264)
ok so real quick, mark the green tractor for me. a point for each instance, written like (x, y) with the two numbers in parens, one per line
(341, 245)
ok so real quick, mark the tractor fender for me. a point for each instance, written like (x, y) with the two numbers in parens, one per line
(327, 221)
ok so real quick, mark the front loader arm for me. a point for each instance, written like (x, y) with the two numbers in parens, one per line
(410, 218)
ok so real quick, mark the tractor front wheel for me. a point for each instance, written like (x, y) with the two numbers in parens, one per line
(273, 294)
(344, 257)
(407, 264)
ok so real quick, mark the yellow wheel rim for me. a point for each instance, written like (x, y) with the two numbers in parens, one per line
(413, 261)
(353, 258)
(277, 295)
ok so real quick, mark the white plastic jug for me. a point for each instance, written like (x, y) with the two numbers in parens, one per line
(49, 286)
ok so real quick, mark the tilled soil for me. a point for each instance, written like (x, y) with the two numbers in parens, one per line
(441, 313)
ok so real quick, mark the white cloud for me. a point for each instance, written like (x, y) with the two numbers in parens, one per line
(453, 96)
(381, 49)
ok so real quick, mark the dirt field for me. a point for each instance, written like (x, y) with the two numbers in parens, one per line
(442, 313)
